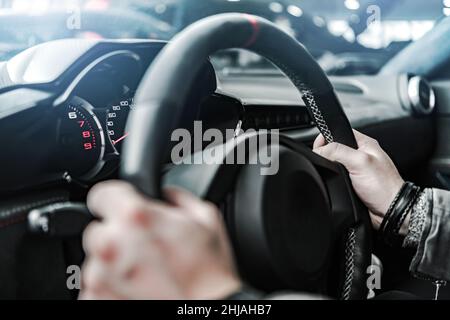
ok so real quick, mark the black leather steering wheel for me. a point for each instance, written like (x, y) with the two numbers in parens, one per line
(303, 229)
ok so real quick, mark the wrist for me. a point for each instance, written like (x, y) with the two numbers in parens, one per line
(387, 196)
(394, 192)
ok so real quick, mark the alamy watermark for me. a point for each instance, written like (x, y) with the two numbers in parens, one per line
(73, 278)
(374, 13)
(73, 21)
(230, 147)
(373, 282)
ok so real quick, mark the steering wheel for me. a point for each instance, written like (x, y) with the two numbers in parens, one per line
(300, 229)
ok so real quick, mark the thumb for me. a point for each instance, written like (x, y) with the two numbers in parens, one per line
(319, 142)
(353, 160)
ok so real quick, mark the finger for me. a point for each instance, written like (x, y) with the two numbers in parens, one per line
(353, 160)
(108, 199)
(95, 279)
(98, 240)
(119, 200)
(94, 276)
(147, 275)
(320, 142)
(147, 280)
(116, 246)
(201, 211)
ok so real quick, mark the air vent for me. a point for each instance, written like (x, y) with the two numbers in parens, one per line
(276, 117)
(421, 96)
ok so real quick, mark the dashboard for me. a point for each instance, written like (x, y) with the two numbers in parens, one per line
(64, 107)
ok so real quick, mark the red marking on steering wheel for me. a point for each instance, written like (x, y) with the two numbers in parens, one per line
(255, 26)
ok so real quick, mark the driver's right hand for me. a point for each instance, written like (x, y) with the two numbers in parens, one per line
(374, 176)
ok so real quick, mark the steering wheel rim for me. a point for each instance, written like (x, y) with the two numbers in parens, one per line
(162, 94)
(165, 87)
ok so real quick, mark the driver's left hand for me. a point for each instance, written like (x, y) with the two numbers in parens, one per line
(144, 249)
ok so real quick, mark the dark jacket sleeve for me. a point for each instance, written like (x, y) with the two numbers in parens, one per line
(433, 255)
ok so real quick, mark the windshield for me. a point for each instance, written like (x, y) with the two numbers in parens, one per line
(347, 37)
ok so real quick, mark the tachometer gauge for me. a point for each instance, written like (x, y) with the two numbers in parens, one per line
(81, 139)
(117, 120)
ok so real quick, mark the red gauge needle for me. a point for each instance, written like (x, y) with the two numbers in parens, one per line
(120, 139)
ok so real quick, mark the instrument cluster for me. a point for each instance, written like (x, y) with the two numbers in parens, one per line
(69, 123)
(91, 136)
(92, 123)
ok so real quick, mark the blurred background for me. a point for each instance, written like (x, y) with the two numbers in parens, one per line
(346, 36)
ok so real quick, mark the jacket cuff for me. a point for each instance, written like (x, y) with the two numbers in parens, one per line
(432, 260)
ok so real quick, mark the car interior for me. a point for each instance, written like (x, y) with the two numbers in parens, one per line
(100, 102)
